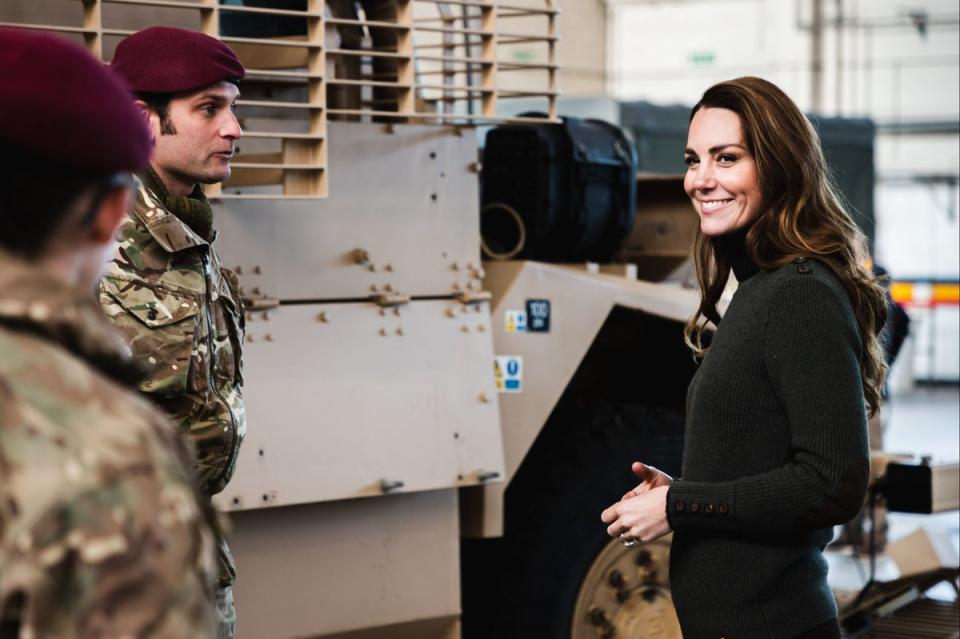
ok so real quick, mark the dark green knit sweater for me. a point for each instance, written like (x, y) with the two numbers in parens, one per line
(775, 454)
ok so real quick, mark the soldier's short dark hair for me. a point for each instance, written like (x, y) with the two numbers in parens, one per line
(35, 197)
(159, 103)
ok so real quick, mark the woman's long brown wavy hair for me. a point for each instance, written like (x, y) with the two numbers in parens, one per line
(801, 216)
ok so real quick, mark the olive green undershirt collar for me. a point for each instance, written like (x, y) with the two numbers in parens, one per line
(193, 210)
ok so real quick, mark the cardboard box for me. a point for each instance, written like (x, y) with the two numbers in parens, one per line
(922, 551)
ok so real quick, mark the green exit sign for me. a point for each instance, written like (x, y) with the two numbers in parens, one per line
(523, 55)
(702, 57)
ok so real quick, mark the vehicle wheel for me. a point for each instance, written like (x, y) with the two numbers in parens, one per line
(557, 560)
(626, 593)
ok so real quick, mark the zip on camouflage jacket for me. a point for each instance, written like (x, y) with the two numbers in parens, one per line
(102, 529)
(181, 313)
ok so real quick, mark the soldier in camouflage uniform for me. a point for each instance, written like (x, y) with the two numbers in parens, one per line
(165, 288)
(103, 532)
(181, 314)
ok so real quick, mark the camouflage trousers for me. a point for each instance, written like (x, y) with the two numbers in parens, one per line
(226, 613)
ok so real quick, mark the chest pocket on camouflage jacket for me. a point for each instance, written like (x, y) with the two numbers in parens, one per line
(192, 343)
(162, 327)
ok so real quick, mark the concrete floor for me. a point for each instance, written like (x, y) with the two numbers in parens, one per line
(922, 421)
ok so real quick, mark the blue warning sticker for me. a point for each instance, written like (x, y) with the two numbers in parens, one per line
(508, 373)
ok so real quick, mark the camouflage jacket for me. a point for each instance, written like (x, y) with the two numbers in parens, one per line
(103, 532)
(180, 311)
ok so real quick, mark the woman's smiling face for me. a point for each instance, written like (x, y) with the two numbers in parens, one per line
(721, 179)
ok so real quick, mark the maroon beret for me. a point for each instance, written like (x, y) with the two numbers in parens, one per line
(169, 60)
(60, 103)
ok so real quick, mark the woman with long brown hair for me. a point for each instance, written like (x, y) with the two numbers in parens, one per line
(775, 450)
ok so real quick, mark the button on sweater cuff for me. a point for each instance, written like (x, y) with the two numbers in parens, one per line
(699, 506)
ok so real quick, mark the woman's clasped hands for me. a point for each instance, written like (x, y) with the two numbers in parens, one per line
(641, 514)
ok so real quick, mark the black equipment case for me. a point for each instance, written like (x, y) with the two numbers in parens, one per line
(573, 184)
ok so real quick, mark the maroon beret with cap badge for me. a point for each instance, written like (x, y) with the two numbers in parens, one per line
(171, 60)
(61, 104)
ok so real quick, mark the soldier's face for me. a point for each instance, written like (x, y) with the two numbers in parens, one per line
(108, 222)
(197, 140)
(82, 248)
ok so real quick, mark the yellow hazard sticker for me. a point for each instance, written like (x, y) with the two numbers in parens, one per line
(515, 321)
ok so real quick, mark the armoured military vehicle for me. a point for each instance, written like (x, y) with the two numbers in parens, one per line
(432, 434)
